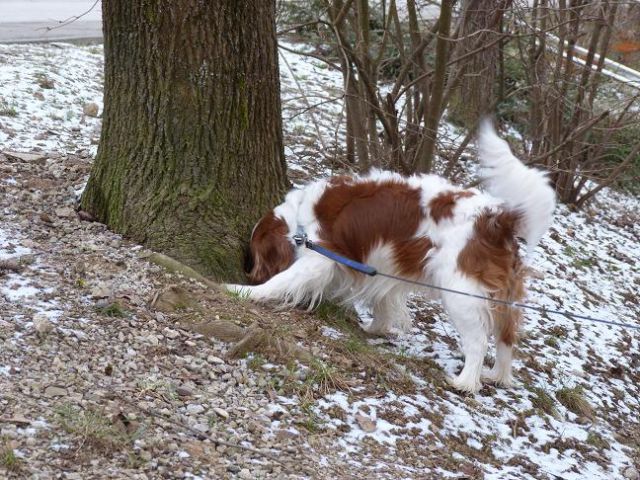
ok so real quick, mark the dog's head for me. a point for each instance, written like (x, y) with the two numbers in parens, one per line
(271, 250)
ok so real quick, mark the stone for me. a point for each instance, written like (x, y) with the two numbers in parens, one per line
(90, 109)
(53, 391)
(101, 290)
(25, 157)
(215, 360)
(65, 212)
(195, 409)
(221, 413)
(245, 474)
(42, 325)
(365, 423)
(184, 391)
(631, 473)
(171, 334)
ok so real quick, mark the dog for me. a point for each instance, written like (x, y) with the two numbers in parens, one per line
(421, 228)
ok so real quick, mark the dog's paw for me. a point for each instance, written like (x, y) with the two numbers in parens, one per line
(375, 330)
(464, 385)
(496, 377)
(402, 326)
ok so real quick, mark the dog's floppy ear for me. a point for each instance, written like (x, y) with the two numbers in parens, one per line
(271, 250)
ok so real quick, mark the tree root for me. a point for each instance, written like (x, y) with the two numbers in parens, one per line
(263, 337)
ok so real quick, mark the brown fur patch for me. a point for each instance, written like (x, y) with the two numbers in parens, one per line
(441, 206)
(491, 257)
(356, 217)
(411, 256)
(271, 251)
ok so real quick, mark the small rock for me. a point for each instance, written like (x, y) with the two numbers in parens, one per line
(42, 325)
(101, 290)
(195, 409)
(46, 218)
(245, 474)
(282, 435)
(630, 473)
(86, 216)
(171, 334)
(221, 413)
(25, 157)
(65, 212)
(366, 424)
(201, 427)
(233, 469)
(38, 95)
(184, 391)
(90, 109)
(53, 391)
(215, 360)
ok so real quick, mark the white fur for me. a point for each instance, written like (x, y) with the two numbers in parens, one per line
(313, 276)
(522, 188)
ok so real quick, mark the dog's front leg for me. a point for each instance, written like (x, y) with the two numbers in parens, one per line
(390, 314)
(304, 281)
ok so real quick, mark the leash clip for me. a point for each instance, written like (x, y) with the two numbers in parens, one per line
(300, 239)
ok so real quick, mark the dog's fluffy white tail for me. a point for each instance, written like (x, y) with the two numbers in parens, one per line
(523, 189)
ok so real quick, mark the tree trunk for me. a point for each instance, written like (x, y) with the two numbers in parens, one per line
(191, 150)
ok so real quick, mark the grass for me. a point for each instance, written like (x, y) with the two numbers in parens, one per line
(357, 345)
(43, 81)
(597, 441)
(543, 401)
(574, 400)
(552, 342)
(8, 458)
(7, 110)
(325, 378)
(583, 262)
(242, 294)
(112, 310)
(255, 361)
(95, 429)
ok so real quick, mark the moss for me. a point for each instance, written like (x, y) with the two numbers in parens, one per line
(112, 310)
(552, 342)
(596, 440)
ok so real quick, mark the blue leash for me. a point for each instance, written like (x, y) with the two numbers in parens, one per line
(300, 238)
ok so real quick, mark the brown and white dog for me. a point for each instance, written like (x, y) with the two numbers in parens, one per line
(422, 228)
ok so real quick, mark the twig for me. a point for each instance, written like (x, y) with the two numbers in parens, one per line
(306, 100)
(70, 20)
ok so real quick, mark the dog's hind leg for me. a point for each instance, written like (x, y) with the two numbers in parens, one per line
(472, 320)
(506, 323)
(304, 281)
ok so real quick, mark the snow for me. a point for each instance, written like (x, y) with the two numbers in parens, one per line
(49, 119)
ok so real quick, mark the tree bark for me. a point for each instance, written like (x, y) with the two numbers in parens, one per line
(191, 151)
